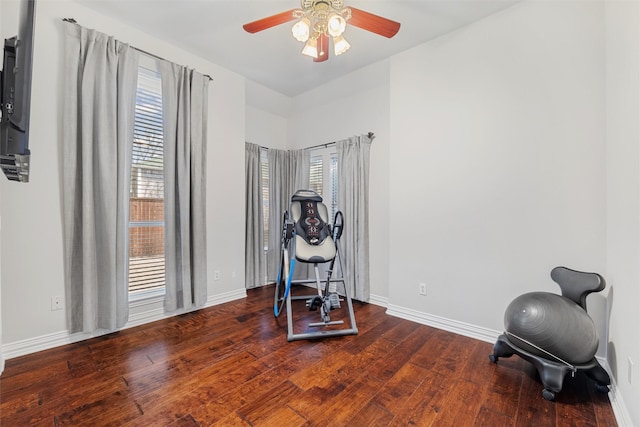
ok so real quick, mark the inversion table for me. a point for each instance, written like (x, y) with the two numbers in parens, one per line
(309, 238)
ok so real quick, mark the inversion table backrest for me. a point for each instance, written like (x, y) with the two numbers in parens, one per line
(313, 242)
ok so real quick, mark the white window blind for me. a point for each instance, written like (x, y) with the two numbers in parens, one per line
(315, 174)
(264, 172)
(323, 177)
(146, 196)
(333, 182)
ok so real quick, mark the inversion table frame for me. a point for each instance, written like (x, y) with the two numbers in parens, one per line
(326, 297)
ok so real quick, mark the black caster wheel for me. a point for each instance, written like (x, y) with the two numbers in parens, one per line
(314, 303)
(602, 388)
(548, 395)
(493, 358)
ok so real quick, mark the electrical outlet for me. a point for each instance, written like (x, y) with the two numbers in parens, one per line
(56, 303)
(630, 370)
(422, 288)
(216, 275)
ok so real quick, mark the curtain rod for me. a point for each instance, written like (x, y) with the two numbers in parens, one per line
(325, 145)
(73, 21)
(329, 144)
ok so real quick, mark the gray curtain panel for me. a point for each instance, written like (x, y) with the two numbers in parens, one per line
(278, 203)
(288, 172)
(299, 169)
(255, 269)
(97, 133)
(299, 165)
(353, 197)
(185, 104)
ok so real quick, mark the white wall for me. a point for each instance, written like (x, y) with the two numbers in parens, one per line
(1, 322)
(497, 151)
(3, 35)
(32, 265)
(266, 129)
(267, 112)
(623, 196)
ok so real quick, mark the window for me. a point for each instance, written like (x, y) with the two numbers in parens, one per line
(315, 174)
(323, 177)
(146, 195)
(264, 172)
(333, 180)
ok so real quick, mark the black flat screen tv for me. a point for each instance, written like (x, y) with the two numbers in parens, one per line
(15, 92)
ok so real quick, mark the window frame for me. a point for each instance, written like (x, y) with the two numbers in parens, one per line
(264, 182)
(141, 296)
(329, 193)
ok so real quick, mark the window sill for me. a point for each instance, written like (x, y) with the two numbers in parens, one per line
(145, 297)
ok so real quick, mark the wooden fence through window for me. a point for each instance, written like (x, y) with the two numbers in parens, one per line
(146, 243)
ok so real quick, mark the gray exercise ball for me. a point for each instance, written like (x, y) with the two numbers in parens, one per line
(553, 323)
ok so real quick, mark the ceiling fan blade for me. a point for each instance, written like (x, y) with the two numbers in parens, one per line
(374, 23)
(271, 21)
(323, 48)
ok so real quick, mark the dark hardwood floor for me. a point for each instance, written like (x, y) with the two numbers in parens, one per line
(232, 365)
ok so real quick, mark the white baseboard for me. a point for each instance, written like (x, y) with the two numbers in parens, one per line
(378, 300)
(457, 327)
(226, 297)
(56, 339)
(620, 411)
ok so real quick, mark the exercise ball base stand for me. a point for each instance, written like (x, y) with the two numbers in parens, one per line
(551, 372)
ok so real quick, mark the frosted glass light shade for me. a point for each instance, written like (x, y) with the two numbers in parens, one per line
(336, 25)
(311, 48)
(300, 30)
(340, 45)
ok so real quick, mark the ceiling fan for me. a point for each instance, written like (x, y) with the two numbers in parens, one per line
(320, 20)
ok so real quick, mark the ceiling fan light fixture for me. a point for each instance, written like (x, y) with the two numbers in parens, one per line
(317, 21)
(340, 45)
(300, 29)
(336, 25)
(311, 48)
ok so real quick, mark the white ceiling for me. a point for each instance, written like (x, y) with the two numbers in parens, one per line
(213, 30)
